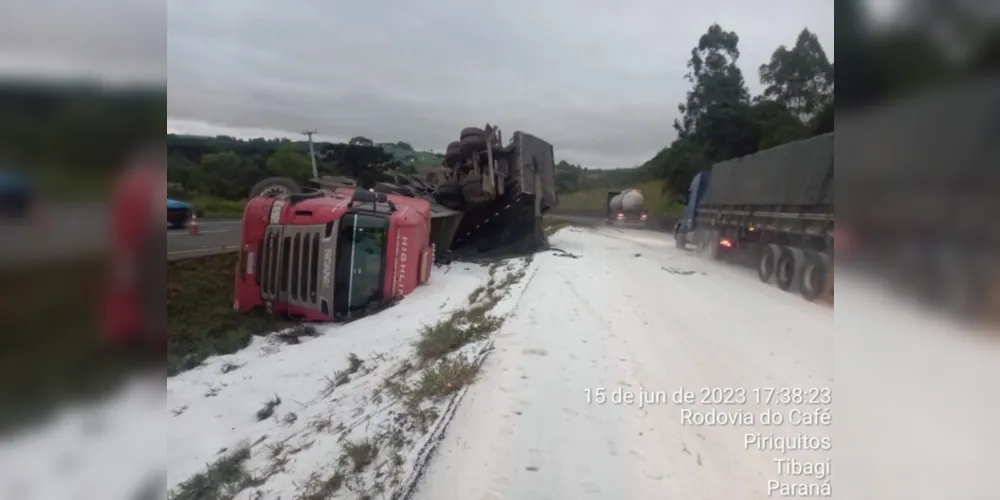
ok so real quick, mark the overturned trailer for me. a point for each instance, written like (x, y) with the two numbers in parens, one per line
(332, 249)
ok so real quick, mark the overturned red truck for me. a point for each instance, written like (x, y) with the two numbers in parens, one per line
(334, 250)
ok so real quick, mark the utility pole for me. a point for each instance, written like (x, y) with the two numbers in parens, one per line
(312, 153)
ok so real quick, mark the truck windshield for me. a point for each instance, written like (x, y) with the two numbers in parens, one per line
(360, 263)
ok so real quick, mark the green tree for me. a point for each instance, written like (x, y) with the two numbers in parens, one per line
(289, 162)
(716, 112)
(367, 164)
(717, 121)
(800, 78)
(188, 175)
(361, 141)
(775, 124)
(222, 172)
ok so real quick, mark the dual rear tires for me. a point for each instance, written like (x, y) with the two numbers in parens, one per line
(794, 269)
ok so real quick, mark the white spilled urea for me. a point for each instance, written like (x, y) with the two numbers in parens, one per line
(214, 409)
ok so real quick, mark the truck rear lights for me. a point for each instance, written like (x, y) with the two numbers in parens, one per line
(724, 243)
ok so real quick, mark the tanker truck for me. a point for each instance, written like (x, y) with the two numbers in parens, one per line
(333, 250)
(775, 206)
(625, 208)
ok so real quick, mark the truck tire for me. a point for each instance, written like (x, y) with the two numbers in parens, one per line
(812, 281)
(472, 132)
(769, 255)
(274, 187)
(454, 153)
(701, 241)
(472, 190)
(788, 268)
(449, 194)
(714, 250)
(473, 143)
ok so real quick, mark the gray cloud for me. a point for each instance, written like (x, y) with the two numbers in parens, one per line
(600, 80)
(117, 40)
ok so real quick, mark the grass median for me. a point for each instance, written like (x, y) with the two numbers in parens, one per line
(200, 317)
(51, 352)
(208, 206)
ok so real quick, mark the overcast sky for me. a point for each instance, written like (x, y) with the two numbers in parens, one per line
(601, 80)
(598, 79)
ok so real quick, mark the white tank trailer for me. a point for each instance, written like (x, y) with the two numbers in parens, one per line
(626, 207)
(630, 200)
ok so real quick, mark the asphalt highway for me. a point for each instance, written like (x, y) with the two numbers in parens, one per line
(220, 236)
(214, 236)
(74, 231)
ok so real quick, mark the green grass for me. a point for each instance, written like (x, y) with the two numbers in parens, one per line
(50, 349)
(72, 186)
(223, 479)
(595, 199)
(210, 206)
(200, 317)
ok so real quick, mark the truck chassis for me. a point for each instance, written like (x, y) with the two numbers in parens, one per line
(790, 249)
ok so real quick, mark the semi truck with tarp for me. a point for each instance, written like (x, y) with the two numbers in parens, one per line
(775, 206)
(335, 250)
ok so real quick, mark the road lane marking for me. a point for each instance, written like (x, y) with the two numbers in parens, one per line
(199, 233)
(206, 249)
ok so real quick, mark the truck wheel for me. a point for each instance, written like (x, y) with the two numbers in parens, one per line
(454, 154)
(275, 187)
(472, 190)
(812, 283)
(473, 143)
(788, 268)
(449, 194)
(472, 132)
(680, 239)
(714, 250)
(701, 241)
(769, 255)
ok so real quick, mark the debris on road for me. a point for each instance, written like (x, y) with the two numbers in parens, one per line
(674, 270)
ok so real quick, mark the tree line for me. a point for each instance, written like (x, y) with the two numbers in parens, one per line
(70, 134)
(227, 167)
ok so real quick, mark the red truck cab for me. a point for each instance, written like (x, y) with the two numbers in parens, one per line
(332, 256)
(133, 302)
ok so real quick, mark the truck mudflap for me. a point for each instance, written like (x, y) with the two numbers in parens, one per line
(506, 227)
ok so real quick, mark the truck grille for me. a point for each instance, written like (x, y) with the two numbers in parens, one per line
(290, 265)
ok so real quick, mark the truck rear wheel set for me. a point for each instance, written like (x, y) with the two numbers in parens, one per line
(794, 269)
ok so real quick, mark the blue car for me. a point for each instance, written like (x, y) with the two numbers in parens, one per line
(17, 194)
(179, 213)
